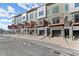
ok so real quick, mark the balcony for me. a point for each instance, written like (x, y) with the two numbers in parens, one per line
(41, 23)
(54, 25)
(20, 25)
(76, 22)
(57, 23)
(14, 26)
(30, 24)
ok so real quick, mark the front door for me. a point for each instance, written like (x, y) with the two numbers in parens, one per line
(41, 32)
(56, 33)
(48, 31)
(67, 33)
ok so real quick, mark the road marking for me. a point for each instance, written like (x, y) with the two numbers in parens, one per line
(24, 43)
(48, 46)
(29, 44)
(57, 52)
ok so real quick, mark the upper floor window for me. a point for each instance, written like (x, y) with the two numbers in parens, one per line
(76, 4)
(31, 16)
(23, 17)
(40, 13)
(66, 7)
(76, 18)
(55, 9)
(56, 20)
(36, 15)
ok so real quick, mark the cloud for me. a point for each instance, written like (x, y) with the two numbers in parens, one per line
(11, 9)
(2, 10)
(24, 5)
(5, 20)
(10, 12)
(4, 23)
(36, 5)
(7, 14)
(28, 6)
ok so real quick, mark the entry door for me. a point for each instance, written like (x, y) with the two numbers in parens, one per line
(56, 33)
(48, 31)
(41, 32)
(76, 33)
(67, 33)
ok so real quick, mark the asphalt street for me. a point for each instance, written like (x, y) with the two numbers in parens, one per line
(17, 47)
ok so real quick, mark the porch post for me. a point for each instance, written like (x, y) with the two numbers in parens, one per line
(50, 31)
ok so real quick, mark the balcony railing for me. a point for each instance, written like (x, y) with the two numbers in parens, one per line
(30, 24)
(54, 25)
(75, 22)
(20, 25)
(41, 23)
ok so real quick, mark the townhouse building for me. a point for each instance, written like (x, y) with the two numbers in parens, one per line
(56, 14)
(24, 19)
(56, 19)
(32, 17)
(42, 23)
(18, 19)
(12, 27)
(74, 11)
(19, 22)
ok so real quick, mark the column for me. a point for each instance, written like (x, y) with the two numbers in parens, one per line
(62, 33)
(71, 33)
(51, 31)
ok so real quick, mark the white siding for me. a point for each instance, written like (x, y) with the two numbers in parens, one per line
(72, 8)
(23, 16)
(42, 8)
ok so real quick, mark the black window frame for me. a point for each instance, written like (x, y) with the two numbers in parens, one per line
(41, 13)
(56, 20)
(76, 18)
(23, 17)
(31, 16)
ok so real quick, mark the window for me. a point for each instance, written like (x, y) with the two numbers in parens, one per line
(56, 20)
(23, 17)
(55, 9)
(76, 4)
(76, 18)
(66, 7)
(36, 15)
(31, 16)
(40, 13)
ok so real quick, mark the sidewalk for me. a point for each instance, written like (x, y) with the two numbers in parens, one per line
(54, 40)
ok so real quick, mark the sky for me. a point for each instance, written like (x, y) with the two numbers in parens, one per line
(8, 10)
